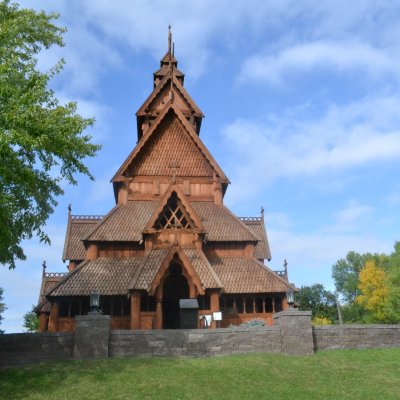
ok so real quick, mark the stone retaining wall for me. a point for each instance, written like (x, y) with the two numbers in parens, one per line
(356, 336)
(195, 342)
(292, 334)
(27, 348)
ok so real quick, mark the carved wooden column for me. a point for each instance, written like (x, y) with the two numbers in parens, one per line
(135, 310)
(214, 300)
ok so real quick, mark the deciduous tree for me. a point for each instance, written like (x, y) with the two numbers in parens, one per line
(318, 300)
(41, 141)
(2, 307)
(345, 274)
(374, 290)
(31, 321)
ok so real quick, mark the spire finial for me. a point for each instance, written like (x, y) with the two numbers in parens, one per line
(44, 267)
(262, 212)
(69, 208)
(169, 39)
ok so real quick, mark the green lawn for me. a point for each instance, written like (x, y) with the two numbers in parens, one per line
(340, 374)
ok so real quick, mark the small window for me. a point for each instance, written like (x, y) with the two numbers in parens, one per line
(126, 307)
(278, 304)
(259, 305)
(239, 305)
(105, 305)
(249, 305)
(229, 305)
(268, 305)
(204, 302)
(74, 308)
(63, 309)
(147, 303)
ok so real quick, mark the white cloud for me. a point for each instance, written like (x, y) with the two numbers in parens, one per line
(311, 256)
(345, 137)
(336, 56)
(352, 217)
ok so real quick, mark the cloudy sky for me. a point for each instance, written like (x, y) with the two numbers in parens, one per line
(301, 100)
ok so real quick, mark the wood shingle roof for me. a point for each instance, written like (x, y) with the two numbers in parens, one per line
(221, 224)
(247, 275)
(107, 276)
(78, 227)
(124, 223)
(170, 111)
(256, 225)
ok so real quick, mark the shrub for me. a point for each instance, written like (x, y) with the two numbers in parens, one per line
(321, 321)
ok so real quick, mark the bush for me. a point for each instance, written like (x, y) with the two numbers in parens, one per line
(321, 321)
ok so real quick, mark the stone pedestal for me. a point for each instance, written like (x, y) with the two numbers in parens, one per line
(296, 332)
(91, 336)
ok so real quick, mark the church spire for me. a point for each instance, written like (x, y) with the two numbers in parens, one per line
(168, 63)
(169, 41)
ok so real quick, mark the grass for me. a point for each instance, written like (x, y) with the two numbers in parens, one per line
(339, 374)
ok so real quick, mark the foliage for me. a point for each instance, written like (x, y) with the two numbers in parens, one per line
(41, 141)
(393, 301)
(379, 286)
(2, 307)
(341, 374)
(345, 274)
(31, 321)
(318, 300)
(321, 321)
(374, 289)
(353, 313)
(370, 286)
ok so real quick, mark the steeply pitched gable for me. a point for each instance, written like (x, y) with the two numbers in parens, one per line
(174, 211)
(170, 138)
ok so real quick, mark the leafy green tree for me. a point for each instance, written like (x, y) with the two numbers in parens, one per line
(353, 313)
(41, 141)
(318, 300)
(2, 307)
(379, 283)
(345, 274)
(31, 321)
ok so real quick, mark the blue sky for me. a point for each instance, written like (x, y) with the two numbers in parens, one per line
(301, 104)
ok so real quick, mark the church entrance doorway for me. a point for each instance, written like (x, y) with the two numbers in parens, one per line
(175, 287)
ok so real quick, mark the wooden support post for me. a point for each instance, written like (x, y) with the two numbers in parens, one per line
(54, 311)
(135, 310)
(43, 322)
(192, 291)
(159, 322)
(214, 300)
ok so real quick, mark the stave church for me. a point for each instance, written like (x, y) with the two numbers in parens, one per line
(169, 236)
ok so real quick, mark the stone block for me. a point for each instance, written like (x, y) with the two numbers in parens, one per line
(92, 336)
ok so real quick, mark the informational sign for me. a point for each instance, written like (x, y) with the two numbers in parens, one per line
(217, 316)
(205, 320)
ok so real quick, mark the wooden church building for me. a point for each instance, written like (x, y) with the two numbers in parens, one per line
(169, 236)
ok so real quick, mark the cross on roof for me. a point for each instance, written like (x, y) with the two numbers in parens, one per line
(174, 166)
